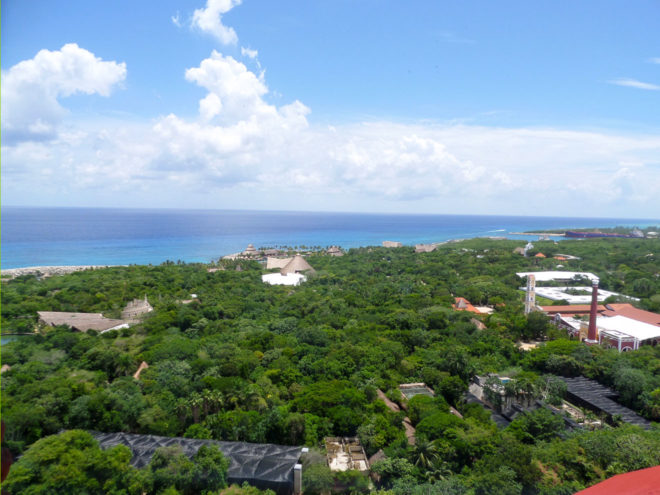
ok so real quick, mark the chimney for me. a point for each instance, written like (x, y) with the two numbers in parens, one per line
(592, 336)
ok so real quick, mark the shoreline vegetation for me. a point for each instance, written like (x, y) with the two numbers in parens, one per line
(49, 271)
(650, 229)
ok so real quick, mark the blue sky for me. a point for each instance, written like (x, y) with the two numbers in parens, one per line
(536, 108)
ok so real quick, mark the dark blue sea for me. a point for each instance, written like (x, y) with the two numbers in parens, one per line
(104, 236)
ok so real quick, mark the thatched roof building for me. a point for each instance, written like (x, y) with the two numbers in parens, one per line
(81, 321)
(297, 265)
(335, 251)
(277, 262)
(250, 251)
(425, 248)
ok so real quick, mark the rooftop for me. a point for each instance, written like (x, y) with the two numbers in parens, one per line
(562, 293)
(81, 321)
(463, 304)
(628, 326)
(261, 464)
(297, 264)
(641, 482)
(591, 394)
(557, 275)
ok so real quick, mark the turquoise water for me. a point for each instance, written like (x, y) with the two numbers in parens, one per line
(5, 339)
(100, 236)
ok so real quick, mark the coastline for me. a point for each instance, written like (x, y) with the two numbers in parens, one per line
(49, 271)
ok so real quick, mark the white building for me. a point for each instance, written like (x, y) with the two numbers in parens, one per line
(626, 334)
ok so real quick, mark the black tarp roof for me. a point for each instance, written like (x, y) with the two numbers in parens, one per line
(260, 464)
(591, 394)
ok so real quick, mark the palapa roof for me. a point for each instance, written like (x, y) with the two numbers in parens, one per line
(297, 265)
(250, 250)
(277, 262)
(79, 321)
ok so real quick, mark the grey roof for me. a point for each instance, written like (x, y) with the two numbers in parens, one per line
(264, 465)
(498, 419)
(597, 397)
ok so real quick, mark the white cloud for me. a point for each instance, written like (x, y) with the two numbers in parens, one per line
(176, 20)
(247, 52)
(655, 60)
(31, 89)
(242, 151)
(209, 20)
(634, 83)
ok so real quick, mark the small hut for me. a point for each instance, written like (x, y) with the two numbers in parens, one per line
(335, 251)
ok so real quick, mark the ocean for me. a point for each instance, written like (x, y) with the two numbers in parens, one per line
(34, 236)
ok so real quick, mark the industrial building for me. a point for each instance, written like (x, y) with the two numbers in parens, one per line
(619, 326)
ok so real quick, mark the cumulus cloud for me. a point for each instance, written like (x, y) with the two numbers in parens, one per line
(634, 83)
(209, 20)
(241, 150)
(32, 88)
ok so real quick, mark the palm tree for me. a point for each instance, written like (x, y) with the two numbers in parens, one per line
(424, 454)
(439, 472)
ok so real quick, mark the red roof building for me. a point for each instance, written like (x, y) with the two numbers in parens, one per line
(614, 309)
(642, 482)
(539, 255)
(463, 304)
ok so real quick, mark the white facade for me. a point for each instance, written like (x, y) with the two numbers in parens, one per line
(279, 279)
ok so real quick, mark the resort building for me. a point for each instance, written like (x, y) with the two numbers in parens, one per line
(392, 244)
(291, 273)
(251, 251)
(462, 304)
(547, 276)
(618, 326)
(335, 251)
(297, 265)
(272, 262)
(425, 248)
(136, 308)
(81, 322)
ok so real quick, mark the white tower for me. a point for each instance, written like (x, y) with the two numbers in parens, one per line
(530, 294)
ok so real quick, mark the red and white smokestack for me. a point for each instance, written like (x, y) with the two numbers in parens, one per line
(592, 335)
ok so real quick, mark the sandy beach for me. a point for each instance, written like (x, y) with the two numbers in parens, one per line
(49, 271)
